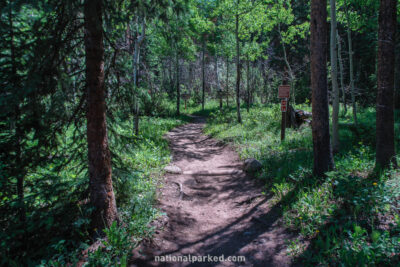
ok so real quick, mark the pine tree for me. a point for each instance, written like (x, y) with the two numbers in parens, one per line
(101, 189)
(385, 151)
(323, 160)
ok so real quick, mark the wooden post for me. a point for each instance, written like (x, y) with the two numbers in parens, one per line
(283, 126)
(185, 97)
(284, 108)
(284, 94)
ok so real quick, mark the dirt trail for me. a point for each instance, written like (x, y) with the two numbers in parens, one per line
(220, 212)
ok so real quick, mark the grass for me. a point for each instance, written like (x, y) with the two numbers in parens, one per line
(351, 217)
(57, 224)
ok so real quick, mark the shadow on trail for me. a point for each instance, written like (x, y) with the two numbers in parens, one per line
(256, 232)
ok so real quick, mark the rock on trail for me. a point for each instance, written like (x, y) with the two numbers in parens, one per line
(213, 208)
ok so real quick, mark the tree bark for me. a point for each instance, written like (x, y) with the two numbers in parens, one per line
(385, 151)
(219, 90)
(100, 185)
(265, 81)
(227, 81)
(203, 74)
(323, 160)
(248, 83)
(352, 89)
(239, 118)
(339, 43)
(335, 87)
(136, 59)
(178, 89)
(290, 71)
(397, 75)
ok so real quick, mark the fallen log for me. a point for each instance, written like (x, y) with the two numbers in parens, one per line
(296, 117)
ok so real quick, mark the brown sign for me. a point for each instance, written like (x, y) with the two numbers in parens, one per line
(221, 93)
(185, 96)
(284, 91)
(284, 105)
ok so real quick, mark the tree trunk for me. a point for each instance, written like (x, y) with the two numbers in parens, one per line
(217, 81)
(289, 68)
(178, 89)
(397, 75)
(227, 81)
(100, 186)
(335, 87)
(136, 107)
(385, 151)
(136, 59)
(265, 81)
(352, 89)
(339, 42)
(323, 160)
(239, 118)
(248, 83)
(171, 74)
(190, 82)
(203, 74)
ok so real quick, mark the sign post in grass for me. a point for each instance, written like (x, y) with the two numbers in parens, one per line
(283, 94)
(185, 97)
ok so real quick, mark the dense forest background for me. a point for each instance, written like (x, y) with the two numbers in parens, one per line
(88, 89)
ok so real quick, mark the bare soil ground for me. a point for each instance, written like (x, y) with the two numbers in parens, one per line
(213, 208)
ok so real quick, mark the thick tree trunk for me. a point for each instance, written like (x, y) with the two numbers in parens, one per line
(385, 151)
(339, 42)
(100, 186)
(239, 118)
(397, 75)
(323, 160)
(335, 87)
(203, 75)
(351, 71)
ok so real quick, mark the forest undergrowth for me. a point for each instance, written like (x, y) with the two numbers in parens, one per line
(57, 225)
(350, 217)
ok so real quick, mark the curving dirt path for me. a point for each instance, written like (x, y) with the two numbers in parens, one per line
(220, 210)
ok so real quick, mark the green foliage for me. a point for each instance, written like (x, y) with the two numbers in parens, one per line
(118, 246)
(57, 204)
(42, 118)
(351, 217)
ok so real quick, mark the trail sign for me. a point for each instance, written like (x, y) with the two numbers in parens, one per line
(283, 94)
(185, 97)
(222, 94)
(284, 91)
(284, 105)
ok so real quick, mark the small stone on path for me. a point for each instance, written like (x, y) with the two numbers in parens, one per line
(173, 169)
